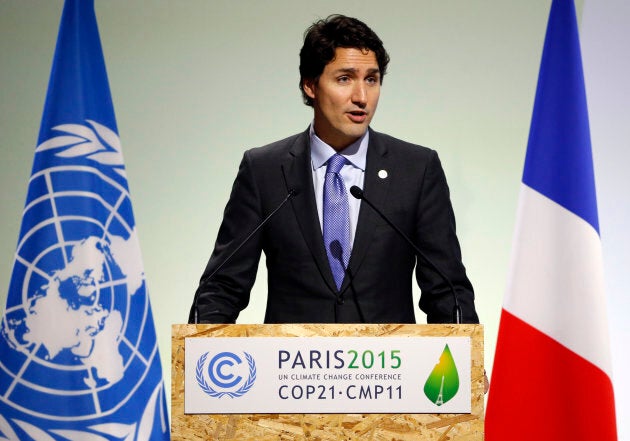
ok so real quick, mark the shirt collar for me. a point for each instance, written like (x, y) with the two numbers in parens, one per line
(355, 153)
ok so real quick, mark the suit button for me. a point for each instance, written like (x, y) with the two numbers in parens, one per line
(340, 300)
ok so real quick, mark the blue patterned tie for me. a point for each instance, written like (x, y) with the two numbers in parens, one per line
(336, 219)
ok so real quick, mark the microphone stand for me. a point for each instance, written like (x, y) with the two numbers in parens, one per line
(292, 192)
(337, 252)
(457, 310)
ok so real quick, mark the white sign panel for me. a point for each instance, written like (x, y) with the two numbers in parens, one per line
(327, 375)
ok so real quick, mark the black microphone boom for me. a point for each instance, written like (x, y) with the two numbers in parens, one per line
(457, 311)
(336, 250)
(292, 192)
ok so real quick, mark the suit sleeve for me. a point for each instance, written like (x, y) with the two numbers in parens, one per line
(437, 237)
(220, 299)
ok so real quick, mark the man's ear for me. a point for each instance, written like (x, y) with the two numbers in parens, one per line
(309, 87)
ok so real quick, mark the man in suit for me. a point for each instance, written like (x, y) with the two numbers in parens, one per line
(330, 257)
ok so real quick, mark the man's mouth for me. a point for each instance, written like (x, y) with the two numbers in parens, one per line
(357, 116)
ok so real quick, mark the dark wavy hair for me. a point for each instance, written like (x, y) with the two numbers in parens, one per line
(324, 36)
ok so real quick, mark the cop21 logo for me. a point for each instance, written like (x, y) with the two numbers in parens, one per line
(226, 373)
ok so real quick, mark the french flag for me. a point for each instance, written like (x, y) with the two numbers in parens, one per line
(551, 378)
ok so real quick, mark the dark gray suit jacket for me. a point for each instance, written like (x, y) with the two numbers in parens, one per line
(301, 289)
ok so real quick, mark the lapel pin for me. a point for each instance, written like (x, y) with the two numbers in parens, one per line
(382, 174)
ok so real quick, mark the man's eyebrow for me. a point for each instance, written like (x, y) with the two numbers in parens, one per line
(352, 70)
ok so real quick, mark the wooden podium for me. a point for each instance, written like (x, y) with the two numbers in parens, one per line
(376, 427)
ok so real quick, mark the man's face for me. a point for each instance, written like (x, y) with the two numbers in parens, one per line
(345, 96)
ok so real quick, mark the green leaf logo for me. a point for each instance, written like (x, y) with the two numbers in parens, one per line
(443, 382)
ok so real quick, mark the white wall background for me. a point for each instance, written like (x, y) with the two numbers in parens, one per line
(606, 57)
(196, 82)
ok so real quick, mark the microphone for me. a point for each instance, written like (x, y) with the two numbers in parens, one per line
(337, 252)
(291, 193)
(457, 310)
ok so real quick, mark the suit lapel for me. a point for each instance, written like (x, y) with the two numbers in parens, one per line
(375, 187)
(297, 170)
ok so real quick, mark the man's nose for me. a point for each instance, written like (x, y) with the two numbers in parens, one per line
(359, 94)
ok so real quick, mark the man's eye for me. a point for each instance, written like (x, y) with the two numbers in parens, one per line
(343, 79)
(372, 80)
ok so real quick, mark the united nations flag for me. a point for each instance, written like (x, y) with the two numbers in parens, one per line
(78, 350)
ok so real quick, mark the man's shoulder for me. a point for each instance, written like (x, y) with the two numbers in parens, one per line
(280, 147)
(398, 146)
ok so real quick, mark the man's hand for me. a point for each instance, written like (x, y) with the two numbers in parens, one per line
(486, 383)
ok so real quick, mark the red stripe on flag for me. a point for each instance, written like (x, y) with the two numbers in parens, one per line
(540, 390)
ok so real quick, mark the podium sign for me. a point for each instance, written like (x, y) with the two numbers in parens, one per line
(327, 375)
(281, 363)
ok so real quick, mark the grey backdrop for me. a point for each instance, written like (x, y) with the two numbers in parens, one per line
(196, 82)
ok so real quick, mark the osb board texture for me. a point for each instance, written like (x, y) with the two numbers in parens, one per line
(325, 427)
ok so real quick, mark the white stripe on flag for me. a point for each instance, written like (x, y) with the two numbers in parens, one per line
(556, 282)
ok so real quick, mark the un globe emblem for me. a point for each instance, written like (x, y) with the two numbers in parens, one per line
(77, 309)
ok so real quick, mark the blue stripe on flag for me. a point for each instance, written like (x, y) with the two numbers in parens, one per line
(559, 161)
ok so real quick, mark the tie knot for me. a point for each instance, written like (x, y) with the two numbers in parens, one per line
(335, 163)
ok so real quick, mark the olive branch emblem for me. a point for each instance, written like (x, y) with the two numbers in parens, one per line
(92, 141)
(203, 384)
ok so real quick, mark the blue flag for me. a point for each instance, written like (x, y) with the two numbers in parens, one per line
(78, 351)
